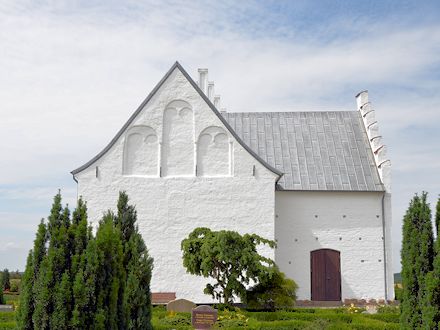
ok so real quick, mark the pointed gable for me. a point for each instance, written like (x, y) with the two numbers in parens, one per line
(175, 138)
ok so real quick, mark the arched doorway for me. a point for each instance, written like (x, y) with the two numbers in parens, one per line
(325, 268)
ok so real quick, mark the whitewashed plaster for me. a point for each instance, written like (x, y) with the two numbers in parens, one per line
(140, 151)
(170, 206)
(213, 156)
(178, 139)
(349, 222)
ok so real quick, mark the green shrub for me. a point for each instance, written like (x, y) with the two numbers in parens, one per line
(387, 309)
(388, 318)
(15, 285)
(7, 317)
(275, 291)
(8, 325)
(176, 319)
(398, 292)
(280, 325)
(230, 324)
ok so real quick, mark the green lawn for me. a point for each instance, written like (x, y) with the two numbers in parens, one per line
(300, 318)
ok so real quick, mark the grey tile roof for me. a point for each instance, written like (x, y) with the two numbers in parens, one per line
(314, 150)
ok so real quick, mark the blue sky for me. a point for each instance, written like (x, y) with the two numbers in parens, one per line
(72, 72)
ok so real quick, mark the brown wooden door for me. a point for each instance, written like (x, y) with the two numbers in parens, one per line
(325, 275)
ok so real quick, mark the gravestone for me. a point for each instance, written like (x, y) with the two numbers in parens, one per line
(203, 317)
(180, 306)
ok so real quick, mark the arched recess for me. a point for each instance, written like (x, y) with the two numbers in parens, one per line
(213, 152)
(325, 269)
(178, 139)
(140, 151)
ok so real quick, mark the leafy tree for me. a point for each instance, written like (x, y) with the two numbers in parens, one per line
(229, 258)
(417, 260)
(6, 280)
(273, 292)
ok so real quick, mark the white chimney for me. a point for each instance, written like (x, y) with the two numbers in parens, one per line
(203, 80)
(217, 101)
(211, 91)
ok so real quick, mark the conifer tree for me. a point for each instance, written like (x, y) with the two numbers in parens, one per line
(60, 318)
(42, 296)
(75, 280)
(437, 218)
(431, 304)
(137, 298)
(6, 280)
(53, 265)
(417, 260)
(111, 274)
(138, 266)
(84, 289)
(79, 236)
(24, 313)
(27, 297)
(2, 298)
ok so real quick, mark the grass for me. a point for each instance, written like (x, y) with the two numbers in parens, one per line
(299, 318)
(337, 318)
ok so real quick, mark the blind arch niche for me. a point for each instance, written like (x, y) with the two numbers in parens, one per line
(213, 150)
(178, 139)
(140, 151)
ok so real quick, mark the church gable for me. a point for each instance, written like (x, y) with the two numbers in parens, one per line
(176, 132)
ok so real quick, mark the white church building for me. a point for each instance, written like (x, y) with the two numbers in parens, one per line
(316, 182)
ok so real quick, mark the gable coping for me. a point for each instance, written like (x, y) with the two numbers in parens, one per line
(204, 97)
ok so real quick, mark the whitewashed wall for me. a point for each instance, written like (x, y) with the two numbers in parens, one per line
(171, 206)
(350, 222)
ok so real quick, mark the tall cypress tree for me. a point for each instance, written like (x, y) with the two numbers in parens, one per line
(417, 260)
(6, 280)
(111, 274)
(138, 267)
(79, 236)
(83, 264)
(437, 218)
(137, 298)
(431, 305)
(2, 298)
(53, 265)
(27, 297)
(74, 280)
(84, 289)
(60, 318)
